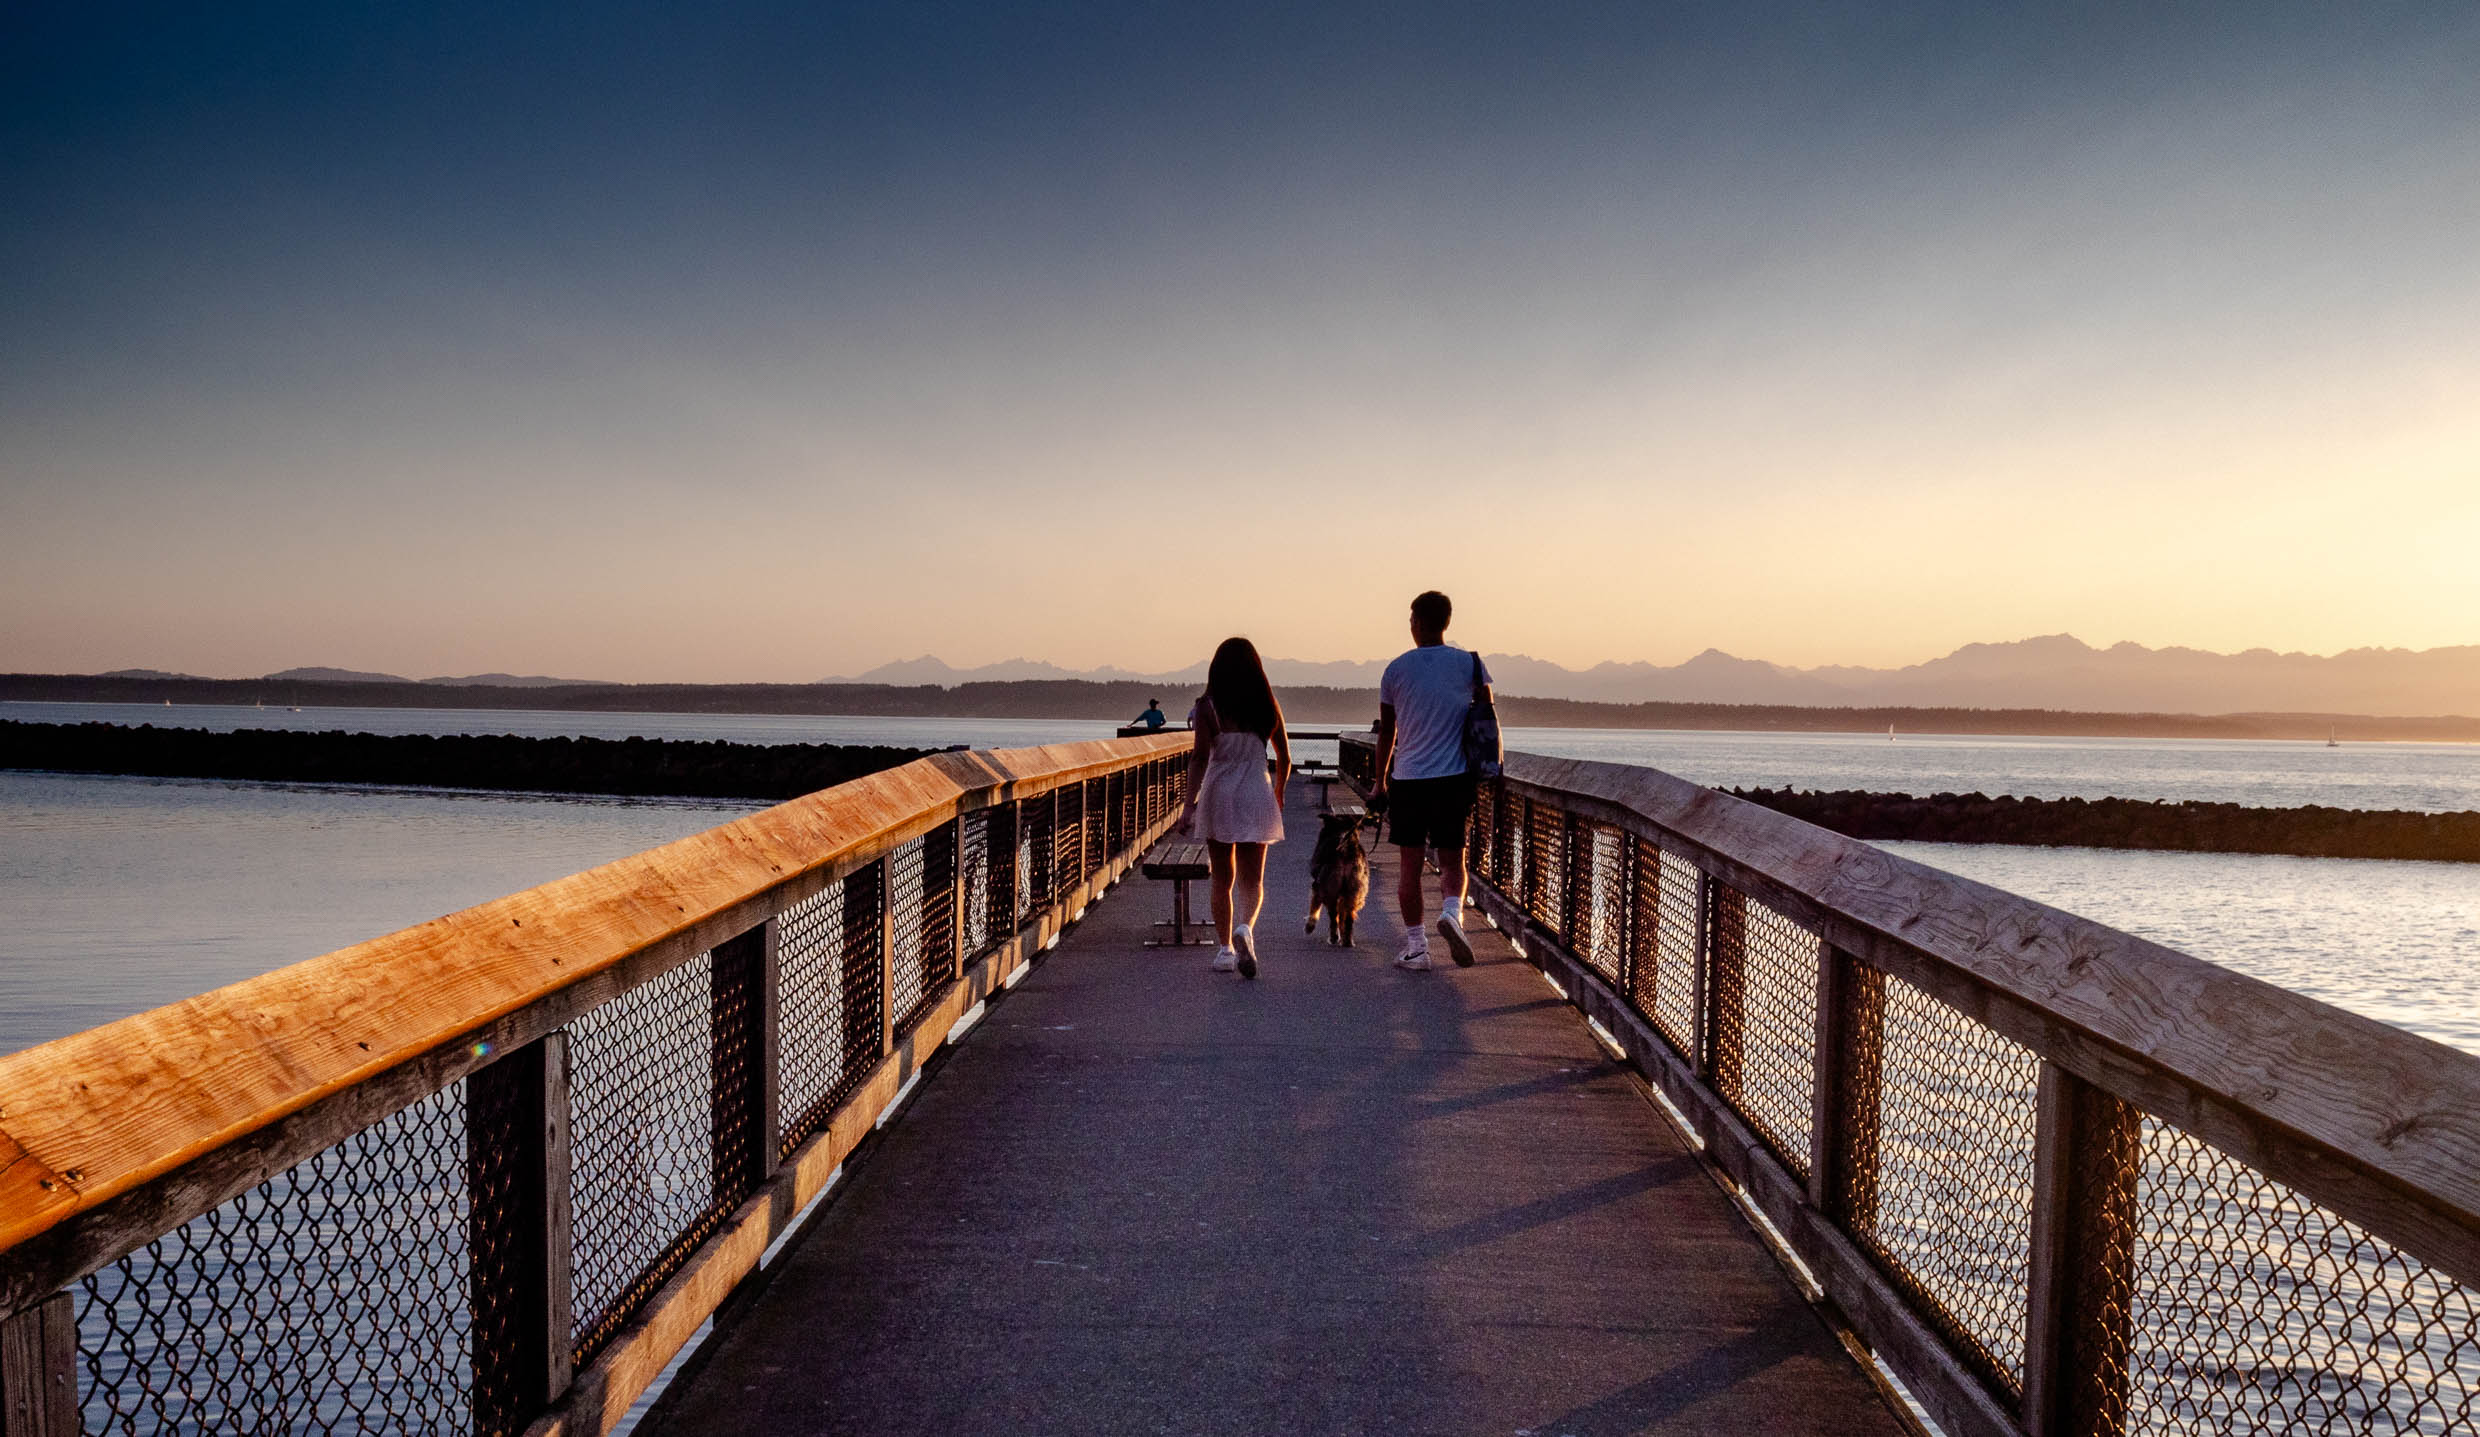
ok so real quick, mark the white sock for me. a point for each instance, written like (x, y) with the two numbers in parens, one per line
(1452, 909)
(1239, 931)
(1414, 942)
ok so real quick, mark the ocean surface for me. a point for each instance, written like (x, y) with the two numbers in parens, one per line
(2427, 777)
(118, 894)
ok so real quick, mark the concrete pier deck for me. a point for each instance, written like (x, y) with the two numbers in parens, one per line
(1143, 1198)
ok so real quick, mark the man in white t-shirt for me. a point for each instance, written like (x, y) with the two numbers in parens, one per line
(1422, 702)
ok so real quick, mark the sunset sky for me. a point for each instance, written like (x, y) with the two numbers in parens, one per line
(769, 342)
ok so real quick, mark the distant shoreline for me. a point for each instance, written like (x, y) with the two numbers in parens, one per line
(1077, 699)
(672, 768)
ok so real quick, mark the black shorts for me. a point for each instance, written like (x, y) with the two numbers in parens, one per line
(1429, 812)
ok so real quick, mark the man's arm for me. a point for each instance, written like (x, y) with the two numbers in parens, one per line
(1386, 746)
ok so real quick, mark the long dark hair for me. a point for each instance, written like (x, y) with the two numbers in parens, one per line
(1236, 686)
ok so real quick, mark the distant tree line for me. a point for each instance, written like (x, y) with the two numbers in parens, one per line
(2310, 832)
(1085, 699)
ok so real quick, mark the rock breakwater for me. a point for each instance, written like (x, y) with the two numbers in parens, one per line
(633, 766)
(2308, 832)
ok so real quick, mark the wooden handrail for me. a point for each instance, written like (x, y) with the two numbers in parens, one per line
(90, 1117)
(2381, 1124)
(2374, 1124)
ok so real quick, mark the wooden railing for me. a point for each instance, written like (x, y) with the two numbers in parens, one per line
(2058, 1179)
(490, 1173)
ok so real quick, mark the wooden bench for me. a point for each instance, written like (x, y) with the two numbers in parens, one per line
(1179, 860)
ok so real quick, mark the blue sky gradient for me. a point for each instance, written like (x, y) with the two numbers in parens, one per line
(763, 342)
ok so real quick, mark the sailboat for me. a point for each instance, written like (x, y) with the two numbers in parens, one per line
(1890, 733)
(2333, 738)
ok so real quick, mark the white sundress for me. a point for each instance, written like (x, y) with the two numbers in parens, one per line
(1235, 800)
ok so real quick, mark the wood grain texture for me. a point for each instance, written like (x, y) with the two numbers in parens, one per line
(2379, 1123)
(38, 1371)
(100, 1113)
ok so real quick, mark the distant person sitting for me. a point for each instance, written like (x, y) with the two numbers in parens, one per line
(1153, 716)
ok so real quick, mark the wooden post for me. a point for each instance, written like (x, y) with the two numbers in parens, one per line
(38, 1371)
(1709, 979)
(862, 971)
(1850, 1086)
(1726, 995)
(518, 1232)
(959, 885)
(747, 1017)
(2088, 1158)
(1623, 931)
(1576, 888)
(1001, 850)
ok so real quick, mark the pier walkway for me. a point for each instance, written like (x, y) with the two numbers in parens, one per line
(881, 1082)
(1141, 1197)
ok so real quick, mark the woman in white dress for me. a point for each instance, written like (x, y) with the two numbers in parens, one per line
(1232, 803)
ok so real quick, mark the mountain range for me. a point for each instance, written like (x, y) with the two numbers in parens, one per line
(2055, 671)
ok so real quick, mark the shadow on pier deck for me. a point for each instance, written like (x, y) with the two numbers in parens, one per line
(1141, 1197)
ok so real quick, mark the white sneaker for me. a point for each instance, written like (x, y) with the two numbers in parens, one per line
(1225, 960)
(1414, 957)
(1246, 942)
(1459, 947)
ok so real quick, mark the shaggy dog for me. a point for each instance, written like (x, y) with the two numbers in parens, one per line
(1338, 877)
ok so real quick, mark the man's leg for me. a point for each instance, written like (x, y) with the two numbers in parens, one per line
(1447, 837)
(1408, 885)
(1410, 830)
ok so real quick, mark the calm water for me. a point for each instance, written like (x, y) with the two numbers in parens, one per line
(2425, 777)
(117, 894)
(2399, 942)
(120, 894)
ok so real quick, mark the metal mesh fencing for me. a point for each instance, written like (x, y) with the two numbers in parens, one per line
(1765, 1019)
(1664, 940)
(2254, 1309)
(1600, 886)
(1477, 845)
(1939, 1116)
(921, 927)
(642, 1107)
(330, 1298)
(1545, 868)
(974, 862)
(1068, 836)
(827, 982)
(1097, 824)
(1036, 850)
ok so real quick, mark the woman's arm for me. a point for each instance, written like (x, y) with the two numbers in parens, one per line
(1202, 724)
(1282, 754)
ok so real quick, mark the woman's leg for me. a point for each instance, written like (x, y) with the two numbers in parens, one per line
(1218, 887)
(1249, 887)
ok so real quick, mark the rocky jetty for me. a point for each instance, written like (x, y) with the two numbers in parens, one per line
(632, 766)
(2311, 832)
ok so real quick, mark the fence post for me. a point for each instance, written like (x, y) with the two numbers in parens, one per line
(518, 1280)
(861, 970)
(38, 1371)
(2088, 1156)
(1000, 846)
(1623, 918)
(1726, 993)
(1850, 1083)
(747, 1019)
